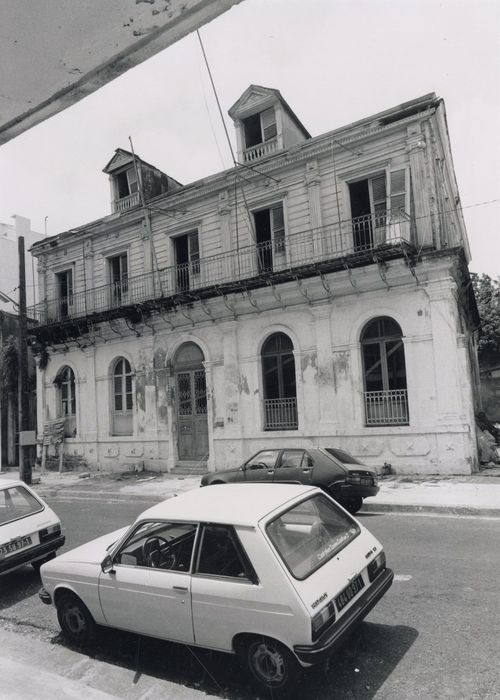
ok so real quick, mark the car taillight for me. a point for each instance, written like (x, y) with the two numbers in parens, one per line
(376, 566)
(50, 532)
(322, 620)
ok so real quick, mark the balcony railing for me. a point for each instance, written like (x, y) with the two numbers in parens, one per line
(282, 257)
(386, 407)
(126, 203)
(261, 150)
(280, 414)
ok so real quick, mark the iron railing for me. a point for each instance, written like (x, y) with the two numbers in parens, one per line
(280, 414)
(386, 407)
(351, 239)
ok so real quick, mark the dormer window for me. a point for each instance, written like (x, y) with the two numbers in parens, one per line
(126, 183)
(260, 128)
(265, 124)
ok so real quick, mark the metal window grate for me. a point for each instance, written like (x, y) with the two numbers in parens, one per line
(386, 407)
(280, 414)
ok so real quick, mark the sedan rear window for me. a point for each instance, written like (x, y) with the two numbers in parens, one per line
(17, 502)
(309, 534)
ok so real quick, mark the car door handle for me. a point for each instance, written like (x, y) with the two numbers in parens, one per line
(182, 589)
(270, 471)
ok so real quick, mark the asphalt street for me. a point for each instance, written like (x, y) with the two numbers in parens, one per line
(434, 635)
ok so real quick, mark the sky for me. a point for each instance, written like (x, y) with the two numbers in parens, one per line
(334, 61)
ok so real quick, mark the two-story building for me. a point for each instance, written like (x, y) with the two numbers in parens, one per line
(315, 294)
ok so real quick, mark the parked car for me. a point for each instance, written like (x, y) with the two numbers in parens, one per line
(347, 480)
(30, 531)
(277, 574)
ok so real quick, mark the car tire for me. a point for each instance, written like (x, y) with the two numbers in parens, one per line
(38, 563)
(270, 665)
(76, 622)
(354, 505)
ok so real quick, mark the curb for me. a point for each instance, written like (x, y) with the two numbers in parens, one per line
(429, 510)
(72, 494)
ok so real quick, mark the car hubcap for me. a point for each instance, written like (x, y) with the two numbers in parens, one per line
(268, 663)
(75, 620)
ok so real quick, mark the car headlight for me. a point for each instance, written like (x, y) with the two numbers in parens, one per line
(322, 620)
(376, 566)
(353, 479)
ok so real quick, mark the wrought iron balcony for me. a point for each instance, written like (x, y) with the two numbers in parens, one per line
(280, 414)
(386, 407)
(352, 243)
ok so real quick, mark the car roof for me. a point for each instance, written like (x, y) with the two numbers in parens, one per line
(234, 504)
(8, 483)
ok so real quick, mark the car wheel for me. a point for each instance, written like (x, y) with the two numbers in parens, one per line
(75, 620)
(271, 665)
(37, 564)
(354, 505)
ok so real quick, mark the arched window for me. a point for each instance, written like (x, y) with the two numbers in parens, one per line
(122, 419)
(65, 382)
(386, 396)
(278, 375)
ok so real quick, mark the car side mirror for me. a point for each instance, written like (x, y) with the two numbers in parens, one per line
(310, 462)
(107, 565)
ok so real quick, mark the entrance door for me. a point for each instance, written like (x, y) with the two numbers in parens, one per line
(192, 415)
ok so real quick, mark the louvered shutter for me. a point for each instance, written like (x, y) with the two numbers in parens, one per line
(398, 192)
(268, 121)
(278, 228)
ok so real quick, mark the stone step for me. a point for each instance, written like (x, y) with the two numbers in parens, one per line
(190, 468)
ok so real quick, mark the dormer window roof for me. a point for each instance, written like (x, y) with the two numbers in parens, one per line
(264, 124)
(130, 176)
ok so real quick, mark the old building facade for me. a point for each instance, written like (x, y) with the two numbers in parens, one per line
(315, 294)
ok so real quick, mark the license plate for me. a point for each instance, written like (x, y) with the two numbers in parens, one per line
(14, 546)
(350, 592)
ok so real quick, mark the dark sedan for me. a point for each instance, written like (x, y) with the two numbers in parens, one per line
(347, 480)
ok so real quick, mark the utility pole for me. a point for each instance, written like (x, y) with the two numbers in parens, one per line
(25, 466)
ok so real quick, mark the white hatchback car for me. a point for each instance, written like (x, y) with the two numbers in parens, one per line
(30, 531)
(276, 573)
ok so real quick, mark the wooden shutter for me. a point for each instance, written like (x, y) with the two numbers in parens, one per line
(268, 121)
(398, 192)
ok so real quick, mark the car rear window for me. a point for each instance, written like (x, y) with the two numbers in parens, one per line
(342, 456)
(309, 534)
(17, 502)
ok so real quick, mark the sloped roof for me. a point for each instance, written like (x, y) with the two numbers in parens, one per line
(255, 95)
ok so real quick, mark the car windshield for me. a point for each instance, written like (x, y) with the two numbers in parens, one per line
(17, 502)
(309, 534)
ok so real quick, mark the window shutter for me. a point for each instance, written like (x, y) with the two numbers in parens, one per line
(268, 121)
(379, 192)
(278, 228)
(398, 191)
(132, 180)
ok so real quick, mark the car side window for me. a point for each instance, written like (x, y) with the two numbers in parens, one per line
(159, 545)
(293, 458)
(221, 554)
(263, 460)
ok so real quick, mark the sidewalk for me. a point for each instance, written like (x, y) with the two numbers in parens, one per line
(478, 494)
(34, 668)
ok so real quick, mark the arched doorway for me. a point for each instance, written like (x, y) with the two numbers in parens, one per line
(191, 403)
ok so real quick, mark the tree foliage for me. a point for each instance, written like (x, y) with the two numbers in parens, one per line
(487, 292)
(9, 364)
